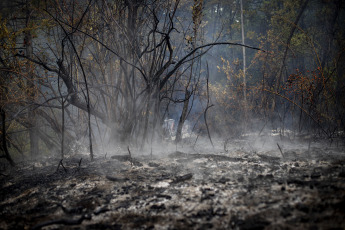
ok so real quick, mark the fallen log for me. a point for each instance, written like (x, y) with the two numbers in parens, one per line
(63, 221)
(116, 179)
(185, 177)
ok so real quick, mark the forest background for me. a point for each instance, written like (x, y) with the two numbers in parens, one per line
(101, 73)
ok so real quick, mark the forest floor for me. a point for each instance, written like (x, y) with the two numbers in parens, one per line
(241, 188)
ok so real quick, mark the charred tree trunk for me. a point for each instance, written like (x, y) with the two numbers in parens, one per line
(33, 131)
(146, 119)
(183, 117)
(3, 147)
(244, 74)
(244, 62)
(208, 104)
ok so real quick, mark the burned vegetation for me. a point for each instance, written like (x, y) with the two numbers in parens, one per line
(238, 189)
(172, 114)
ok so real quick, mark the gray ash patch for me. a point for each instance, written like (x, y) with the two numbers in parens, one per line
(224, 190)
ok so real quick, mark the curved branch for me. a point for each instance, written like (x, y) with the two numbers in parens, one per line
(179, 63)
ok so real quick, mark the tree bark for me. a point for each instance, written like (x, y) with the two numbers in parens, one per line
(182, 117)
(244, 72)
(33, 131)
(3, 140)
(244, 60)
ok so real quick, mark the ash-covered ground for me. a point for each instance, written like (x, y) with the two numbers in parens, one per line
(246, 184)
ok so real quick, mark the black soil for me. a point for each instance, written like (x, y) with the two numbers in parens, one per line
(230, 190)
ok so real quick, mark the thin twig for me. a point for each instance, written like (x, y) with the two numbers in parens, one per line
(281, 151)
(60, 163)
(208, 106)
(58, 166)
(197, 137)
(130, 156)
